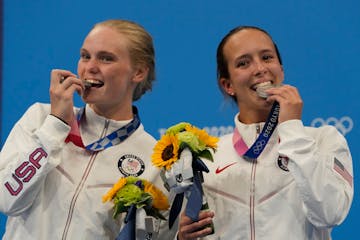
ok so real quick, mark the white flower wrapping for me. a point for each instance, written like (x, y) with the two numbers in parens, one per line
(179, 177)
(147, 227)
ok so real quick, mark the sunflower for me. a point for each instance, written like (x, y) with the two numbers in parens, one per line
(203, 136)
(160, 201)
(165, 151)
(117, 186)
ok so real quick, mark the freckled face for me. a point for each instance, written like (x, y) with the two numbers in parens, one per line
(251, 59)
(104, 57)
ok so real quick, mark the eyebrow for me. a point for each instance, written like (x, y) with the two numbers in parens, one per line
(268, 50)
(105, 53)
(244, 56)
(248, 55)
(99, 53)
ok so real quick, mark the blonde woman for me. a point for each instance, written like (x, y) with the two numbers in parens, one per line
(59, 160)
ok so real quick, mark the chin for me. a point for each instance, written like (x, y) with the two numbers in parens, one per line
(264, 105)
(88, 99)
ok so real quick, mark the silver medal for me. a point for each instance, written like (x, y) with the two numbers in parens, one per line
(262, 87)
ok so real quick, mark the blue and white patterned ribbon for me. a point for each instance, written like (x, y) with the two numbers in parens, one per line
(115, 137)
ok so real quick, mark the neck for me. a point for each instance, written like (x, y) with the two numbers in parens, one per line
(113, 112)
(249, 116)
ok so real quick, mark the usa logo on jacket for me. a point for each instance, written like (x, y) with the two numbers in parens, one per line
(131, 165)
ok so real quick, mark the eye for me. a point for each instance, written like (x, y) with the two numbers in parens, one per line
(106, 58)
(242, 63)
(268, 57)
(84, 56)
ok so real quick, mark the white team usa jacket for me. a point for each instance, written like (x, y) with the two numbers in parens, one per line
(299, 196)
(53, 190)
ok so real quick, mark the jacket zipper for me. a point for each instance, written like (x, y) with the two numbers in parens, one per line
(252, 191)
(81, 185)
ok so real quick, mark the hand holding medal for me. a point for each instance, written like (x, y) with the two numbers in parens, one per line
(287, 97)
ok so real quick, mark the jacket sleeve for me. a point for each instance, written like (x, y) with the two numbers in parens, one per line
(30, 152)
(321, 164)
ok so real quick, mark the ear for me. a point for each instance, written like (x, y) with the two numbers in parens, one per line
(141, 72)
(227, 86)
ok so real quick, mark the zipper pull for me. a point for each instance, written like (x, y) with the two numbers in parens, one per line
(258, 128)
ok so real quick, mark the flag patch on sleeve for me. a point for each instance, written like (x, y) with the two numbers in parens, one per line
(339, 168)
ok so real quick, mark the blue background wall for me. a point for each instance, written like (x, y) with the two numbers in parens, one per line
(319, 42)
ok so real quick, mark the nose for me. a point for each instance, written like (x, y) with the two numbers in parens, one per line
(92, 66)
(260, 67)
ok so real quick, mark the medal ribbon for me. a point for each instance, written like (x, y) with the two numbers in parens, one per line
(258, 146)
(112, 139)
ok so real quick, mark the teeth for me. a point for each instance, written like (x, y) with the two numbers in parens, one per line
(92, 83)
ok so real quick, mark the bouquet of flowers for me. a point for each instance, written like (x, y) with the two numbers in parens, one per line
(178, 154)
(130, 194)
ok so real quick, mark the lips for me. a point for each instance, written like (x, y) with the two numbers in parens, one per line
(89, 83)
